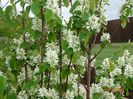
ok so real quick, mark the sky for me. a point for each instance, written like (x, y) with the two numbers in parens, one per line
(112, 11)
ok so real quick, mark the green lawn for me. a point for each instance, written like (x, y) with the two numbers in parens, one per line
(112, 52)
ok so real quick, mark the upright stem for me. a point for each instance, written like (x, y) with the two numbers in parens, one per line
(90, 46)
(88, 75)
(41, 42)
(60, 55)
(24, 38)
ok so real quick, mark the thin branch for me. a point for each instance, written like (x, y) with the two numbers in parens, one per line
(99, 52)
(69, 65)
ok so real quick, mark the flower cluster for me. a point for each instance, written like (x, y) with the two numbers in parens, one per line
(22, 95)
(54, 6)
(98, 18)
(72, 40)
(50, 94)
(36, 24)
(93, 23)
(111, 74)
(21, 77)
(107, 82)
(105, 37)
(20, 54)
(52, 51)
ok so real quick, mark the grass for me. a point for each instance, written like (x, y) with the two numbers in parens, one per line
(112, 52)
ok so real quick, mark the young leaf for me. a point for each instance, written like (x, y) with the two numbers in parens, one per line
(48, 15)
(74, 6)
(35, 8)
(66, 2)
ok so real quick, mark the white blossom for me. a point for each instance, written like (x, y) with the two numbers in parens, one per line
(7, 60)
(73, 78)
(50, 94)
(20, 54)
(28, 38)
(17, 42)
(52, 57)
(69, 94)
(52, 51)
(21, 77)
(115, 72)
(54, 6)
(130, 60)
(43, 92)
(22, 95)
(65, 60)
(126, 55)
(95, 88)
(34, 60)
(82, 60)
(108, 95)
(72, 39)
(93, 23)
(33, 91)
(107, 82)
(36, 24)
(105, 37)
(128, 72)
(121, 61)
(105, 64)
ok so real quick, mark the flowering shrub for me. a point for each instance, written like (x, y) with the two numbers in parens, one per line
(46, 57)
(114, 78)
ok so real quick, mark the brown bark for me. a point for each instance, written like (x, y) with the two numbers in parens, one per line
(42, 42)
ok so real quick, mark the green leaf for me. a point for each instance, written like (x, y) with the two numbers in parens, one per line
(2, 84)
(92, 5)
(51, 36)
(69, 51)
(11, 96)
(43, 67)
(124, 23)
(64, 44)
(36, 34)
(28, 9)
(1, 12)
(66, 2)
(78, 97)
(25, 45)
(76, 3)
(65, 73)
(81, 36)
(57, 19)
(8, 10)
(48, 15)
(75, 57)
(35, 8)
(30, 84)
